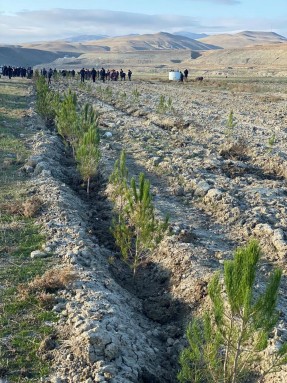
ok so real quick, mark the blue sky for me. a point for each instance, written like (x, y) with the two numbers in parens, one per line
(24, 21)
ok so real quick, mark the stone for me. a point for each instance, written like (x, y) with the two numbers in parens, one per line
(201, 188)
(38, 254)
(112, 351)
(213, 196)
(279, 242)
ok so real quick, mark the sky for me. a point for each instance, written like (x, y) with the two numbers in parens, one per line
(27, 21)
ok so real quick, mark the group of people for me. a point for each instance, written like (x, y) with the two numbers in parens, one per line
(184, 75)
(87, 74)
(11, 71)
(53, 72)
(104, 75)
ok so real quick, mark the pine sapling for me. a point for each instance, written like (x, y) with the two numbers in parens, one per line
(67, 120)
(88, 154)
(88, 117)
(119, 183)
(231, 124)
(137, 229)
(226, 344)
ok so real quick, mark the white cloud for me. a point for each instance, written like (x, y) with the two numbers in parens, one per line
(59, 23)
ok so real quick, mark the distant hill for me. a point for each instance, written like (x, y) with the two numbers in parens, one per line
(243, 39)
(18, 56)
(128, 43)
(157, 41)
(82, 38)
(191, 35)
(68, 48)
(170, 45)
(264, 56)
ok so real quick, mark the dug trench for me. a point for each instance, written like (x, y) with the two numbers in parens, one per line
(112, 327)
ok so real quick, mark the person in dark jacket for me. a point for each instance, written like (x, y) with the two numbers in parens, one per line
(94, 74)
(50, 74)
(185, 74)
(82, 73)
(103, 74)
(10, 71)
(130, 74)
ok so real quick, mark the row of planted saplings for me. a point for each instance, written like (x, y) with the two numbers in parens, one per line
(228, 342)
(135, 228)
(79, 127)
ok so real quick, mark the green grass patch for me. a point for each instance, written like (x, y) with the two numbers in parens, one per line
(25, 321)
(20, 237)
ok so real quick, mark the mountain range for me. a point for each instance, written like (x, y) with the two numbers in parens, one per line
(81, 45)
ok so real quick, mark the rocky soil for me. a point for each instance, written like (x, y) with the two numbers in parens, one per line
(220, 185)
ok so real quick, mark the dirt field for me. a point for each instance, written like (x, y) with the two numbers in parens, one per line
(221, 185)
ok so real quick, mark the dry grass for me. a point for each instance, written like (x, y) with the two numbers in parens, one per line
(270, 98)
(237, 150)
(51, 281)
(29, 208)
(32, 206)
(13, 207)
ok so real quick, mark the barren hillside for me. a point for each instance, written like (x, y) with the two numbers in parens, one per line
(243, 39)
(256, 60)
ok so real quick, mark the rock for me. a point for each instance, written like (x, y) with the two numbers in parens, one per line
(40, 166)
(156, 161)
(201, 188)
(38, 254)
(34, 160)
(213, 196)
(279, 242)
(112, 351)
(263, 229)
(99, 378)
(27, 169)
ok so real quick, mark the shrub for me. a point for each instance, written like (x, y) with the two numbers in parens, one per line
(226, 344)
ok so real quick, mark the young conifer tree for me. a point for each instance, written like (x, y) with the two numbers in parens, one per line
(88, 154)
(47, 101)
(136, 230)
(226, 344)
(119, 182)
(88, 117)
(67, 120)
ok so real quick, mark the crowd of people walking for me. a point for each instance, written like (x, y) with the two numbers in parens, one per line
(104, 75)
(84, 74)
(10, 71)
